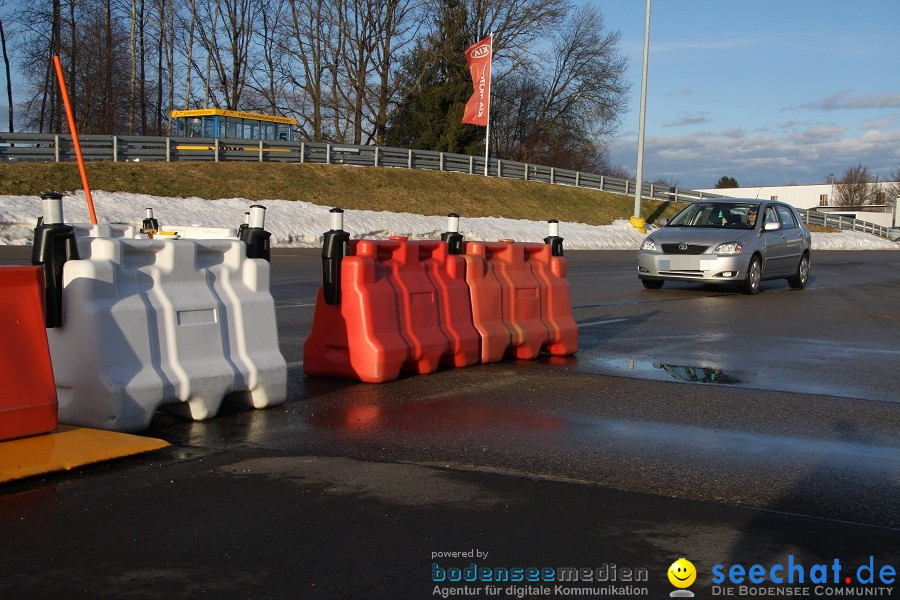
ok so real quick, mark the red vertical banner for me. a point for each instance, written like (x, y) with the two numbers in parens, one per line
(479, 104)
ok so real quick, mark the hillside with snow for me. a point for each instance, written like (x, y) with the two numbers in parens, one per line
(301, 224)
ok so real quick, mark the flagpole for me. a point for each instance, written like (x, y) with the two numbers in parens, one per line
(487, 133)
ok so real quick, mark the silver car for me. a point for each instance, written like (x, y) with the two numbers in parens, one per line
(728, 241)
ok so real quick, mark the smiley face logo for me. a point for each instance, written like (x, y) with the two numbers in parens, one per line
(682, 573)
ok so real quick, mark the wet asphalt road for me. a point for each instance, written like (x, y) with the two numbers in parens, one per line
(625, 454)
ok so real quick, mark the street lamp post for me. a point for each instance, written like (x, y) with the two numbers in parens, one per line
(636, 220)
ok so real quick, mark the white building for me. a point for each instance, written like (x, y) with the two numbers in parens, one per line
(818, 196)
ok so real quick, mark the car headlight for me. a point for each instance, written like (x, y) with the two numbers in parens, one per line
(648, 245)
(729, 248)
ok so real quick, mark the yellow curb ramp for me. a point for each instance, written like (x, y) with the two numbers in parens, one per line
(68, 448)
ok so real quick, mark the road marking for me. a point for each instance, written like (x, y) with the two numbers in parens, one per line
(606, 322)
(296, 363)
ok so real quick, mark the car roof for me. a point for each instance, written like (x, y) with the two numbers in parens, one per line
(732, 200)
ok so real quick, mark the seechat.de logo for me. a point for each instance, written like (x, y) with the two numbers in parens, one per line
(682, 574)
(481, 51)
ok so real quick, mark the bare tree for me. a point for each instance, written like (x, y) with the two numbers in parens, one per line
(395, 29)
(560, 115)
(265, 78)
(132, 47)
(891, 188)
(227, 45)
(9, 93)
(190, 55)
(142, 62)
(311, 28)
(855, 187)
(160, 43)
(109, 111)
(170, 63)
(516, 25)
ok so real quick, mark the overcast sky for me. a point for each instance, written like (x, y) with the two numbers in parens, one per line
(766, 91)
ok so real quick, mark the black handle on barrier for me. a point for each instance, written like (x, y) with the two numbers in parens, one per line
(243, 225)
(254, 235)
(335, 247)
(556, 245)
(452, 236)
(258, 242)
(555, 242)
(54, 245)
(454, 241)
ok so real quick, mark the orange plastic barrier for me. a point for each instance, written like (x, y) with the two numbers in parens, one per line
(403, 306)
(28, 395)
(520, 300)
(556, 302)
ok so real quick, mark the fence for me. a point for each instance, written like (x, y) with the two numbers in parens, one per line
(815, 217)
(48, 147)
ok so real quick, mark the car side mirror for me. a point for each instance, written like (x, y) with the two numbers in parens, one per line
(772, 226)
(663, 222)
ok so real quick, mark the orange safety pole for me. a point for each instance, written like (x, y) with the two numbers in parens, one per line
(71, 117)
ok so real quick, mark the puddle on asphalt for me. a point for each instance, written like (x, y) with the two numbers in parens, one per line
(645, 369)
(780, 378)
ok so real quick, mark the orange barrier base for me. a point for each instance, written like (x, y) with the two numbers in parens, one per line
(68, 449)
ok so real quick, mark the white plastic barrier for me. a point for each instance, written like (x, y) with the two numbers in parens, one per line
(106, 230)
(194, 232)
(130, 232)
(179, 324)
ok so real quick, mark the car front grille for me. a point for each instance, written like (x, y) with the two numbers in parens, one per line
(688, 249)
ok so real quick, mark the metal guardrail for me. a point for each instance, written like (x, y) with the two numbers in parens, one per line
(814, 217)
(48, 147)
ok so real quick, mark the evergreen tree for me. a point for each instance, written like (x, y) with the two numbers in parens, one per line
(437, 75)
(726, 182)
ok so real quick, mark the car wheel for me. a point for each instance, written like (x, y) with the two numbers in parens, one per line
(798, 281)
(652, 284)
(754, 276)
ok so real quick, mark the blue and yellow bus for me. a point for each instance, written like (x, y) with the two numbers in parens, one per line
(231, 125)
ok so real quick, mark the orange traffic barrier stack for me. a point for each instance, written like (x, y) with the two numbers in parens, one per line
(497, 271)
(556, 305)
(446, 274)
(389, 306)
(28, 395)
(520, 298)
(396, 305)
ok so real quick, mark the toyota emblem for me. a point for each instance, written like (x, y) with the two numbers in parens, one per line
(682, 247)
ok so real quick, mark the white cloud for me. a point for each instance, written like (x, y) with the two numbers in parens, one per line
(878, 124)
(684, 120)
(773, 157)
(844, 100)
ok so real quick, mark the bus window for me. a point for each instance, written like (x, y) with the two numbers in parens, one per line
(231, 128)
(210, 127)
(194, 130)
(267, 131)
(284, 132)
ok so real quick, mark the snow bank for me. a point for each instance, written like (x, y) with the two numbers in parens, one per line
(301, 224)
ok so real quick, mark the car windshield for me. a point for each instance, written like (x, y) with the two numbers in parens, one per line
(719, 215)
